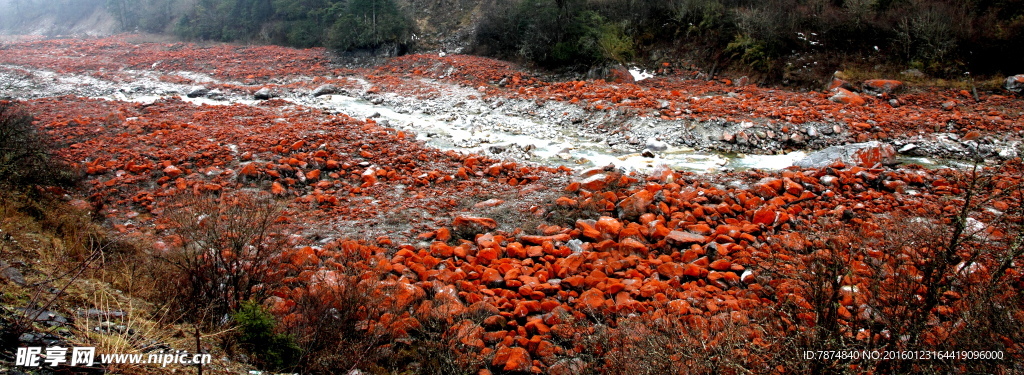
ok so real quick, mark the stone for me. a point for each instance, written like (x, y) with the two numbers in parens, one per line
(11, 274)
(656, 145)
(512, 359)
(48, 317)
(264, 94)
(1015, 83)
(635, 205)
(197, 92)
(595, 182)
(679, 237)
(840, 83)
(588, 228)
(592, 299)
(1008, 152)
(327, 89)
(172, 171)
(671, 269)
(443, 235)
(469, 334)
(792, 187)
(495, 322)
(619, 74)
(881, 86)
(844, 96)
(489, 203)
(473, 224)
(766, 215)
(609, 227)
(277, 189)
(720, 265)
(868, 155)
(103, 314)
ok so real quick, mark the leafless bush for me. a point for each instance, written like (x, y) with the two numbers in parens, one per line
(726, 342)
(901, 283)
(26, 154)
(223, 248)
(351, 317)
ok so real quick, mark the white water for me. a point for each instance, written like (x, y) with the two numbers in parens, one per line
(548, 144)
(564, 149)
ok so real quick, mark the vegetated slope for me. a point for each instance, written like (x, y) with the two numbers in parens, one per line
(610, 272)
(780, 41)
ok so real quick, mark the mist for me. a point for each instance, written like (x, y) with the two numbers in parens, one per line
(55, 17)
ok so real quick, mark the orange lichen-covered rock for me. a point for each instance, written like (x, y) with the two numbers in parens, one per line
(473, 223)
(443, 235)
(609, 227)
(588, 228)
(720, 265)
(671, 269)
(792, 187)
(512, 359)
(684, 238)
(768, 188)
(249, 170)
(844, 96)
(693, 270)
(486, 256)
(276, 188)
(489, 203)
(440, 249)
(592, 299)
(491, 276)
(766, 215)
(313, 174)
(172, 171)
(468, 334)
(881, 86)
(635, 205)
(595, 182)
(633, 245)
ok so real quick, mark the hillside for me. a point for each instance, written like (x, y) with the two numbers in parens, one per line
(801, 46)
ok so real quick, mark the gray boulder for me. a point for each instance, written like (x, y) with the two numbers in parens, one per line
(8, 273)
(868, 155)
(264, 94)
(197, 91)
(656, 145)
(327, 89)
(1015, 83)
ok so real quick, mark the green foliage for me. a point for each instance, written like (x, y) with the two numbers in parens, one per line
(945, 37)
(750, 51)
(270, 350)
(555, 34)
(367, 23)
(337, 24)
(614, 43)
